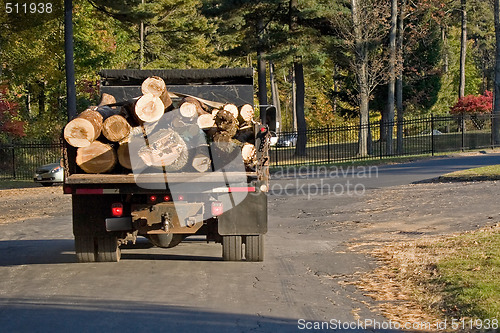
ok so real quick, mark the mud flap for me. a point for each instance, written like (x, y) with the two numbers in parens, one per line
(249, 217)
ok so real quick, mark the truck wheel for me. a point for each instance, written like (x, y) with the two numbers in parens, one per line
(165, 240)
(108, 249)
(231, 248)
(254, 248)
(85, 248)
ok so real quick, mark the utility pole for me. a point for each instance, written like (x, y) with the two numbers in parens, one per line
(68, 57)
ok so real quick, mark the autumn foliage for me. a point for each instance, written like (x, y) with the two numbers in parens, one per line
(472, 104)
(8, 114)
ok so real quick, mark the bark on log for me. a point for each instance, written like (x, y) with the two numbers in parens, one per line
(107, 99)
(156, 86)
(83, 130)
(149, 108)
(225, 143)
(166, 149)
(116, 128)
(246, 113)
(233, 109)
(225, 121)
(96, 158)
(200, 107)
(245, 134)
(124, 155)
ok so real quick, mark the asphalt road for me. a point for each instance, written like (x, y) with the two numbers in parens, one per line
(188, 288)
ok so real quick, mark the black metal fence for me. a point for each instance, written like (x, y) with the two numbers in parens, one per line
(19, 161)
(427, 135)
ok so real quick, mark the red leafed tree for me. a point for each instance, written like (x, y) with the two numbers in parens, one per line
(9, 123)
(472, 104)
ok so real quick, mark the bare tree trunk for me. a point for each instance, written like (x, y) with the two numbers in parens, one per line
(463, 49)
(362, 78)
(496, 104)
(399, 79)
(335, 89)
(392, 77)
(444, 39)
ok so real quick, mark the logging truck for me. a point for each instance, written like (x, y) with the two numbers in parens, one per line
(168, 154)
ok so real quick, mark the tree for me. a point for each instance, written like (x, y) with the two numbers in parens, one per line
(362, 34)
(472, 104)
(389, 119)
(10, 125)
(399, 78)
(463, 48)
(496, 107)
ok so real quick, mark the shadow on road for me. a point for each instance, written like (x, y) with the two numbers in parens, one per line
(89, 315)
(62, 251)
(32, 252)
(80, 314)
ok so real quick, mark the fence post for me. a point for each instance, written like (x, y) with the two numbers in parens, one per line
(432, 134)
(276, 154)
(328, 139)
(462, 124)
(13, 162)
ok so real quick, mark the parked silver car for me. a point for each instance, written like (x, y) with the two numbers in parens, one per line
(49, 174)
(287, 140)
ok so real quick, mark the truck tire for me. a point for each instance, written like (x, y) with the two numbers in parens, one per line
(85, 248)
(108, 249)
(165, 240)
(231, 248)
(254, 248)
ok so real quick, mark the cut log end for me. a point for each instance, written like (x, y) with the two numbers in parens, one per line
(246, 113)
(188, 110)
(83, 130)
(116, 128)
(96, 158)
(107, 99)
(156, 86)
(166, 149)
(249, 154)
(233, 109)
(206, 121)
(201, 162)
(149, 108)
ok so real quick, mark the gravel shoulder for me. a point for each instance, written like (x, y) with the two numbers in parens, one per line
(22, 204)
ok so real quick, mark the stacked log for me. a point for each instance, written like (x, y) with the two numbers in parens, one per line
(175, 135)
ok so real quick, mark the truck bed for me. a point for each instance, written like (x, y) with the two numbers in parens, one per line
(181, 177)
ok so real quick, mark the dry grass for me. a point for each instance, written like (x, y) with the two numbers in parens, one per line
(414, 282)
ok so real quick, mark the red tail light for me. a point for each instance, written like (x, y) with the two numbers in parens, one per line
(167, 198)
(117, 209)
(180, 197)
(152, 198)
(217, 208)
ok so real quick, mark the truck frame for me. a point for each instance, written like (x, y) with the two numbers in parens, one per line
(225, 206)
